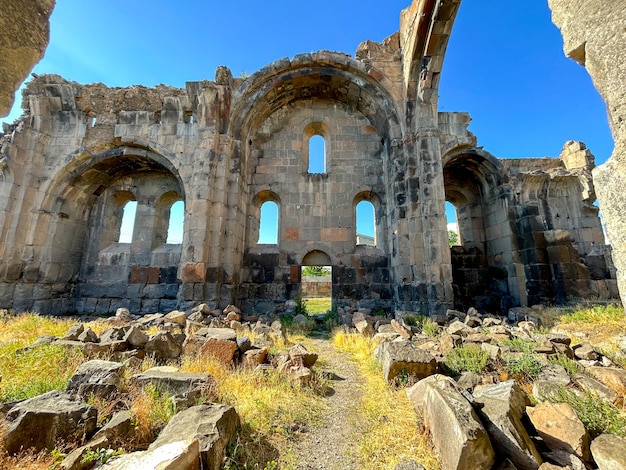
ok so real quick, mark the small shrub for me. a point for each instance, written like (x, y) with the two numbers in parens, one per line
(100, 456)
(301, 307)
(469, 357)
(430, 328)
(414, 320)
(526, 367)
(598, 416)
(332, 320)
(570, 365)
(520, 345)
(379, 312)
(295, 329)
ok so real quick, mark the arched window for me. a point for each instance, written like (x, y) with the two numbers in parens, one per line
(176, 222)
(365, 224)
(128, 222)
(317, 154)
(268, 226)
(452, 225)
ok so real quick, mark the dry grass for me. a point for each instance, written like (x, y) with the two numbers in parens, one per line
(28, 460)
(391, 429)
(601, 326)
(271, 410)
(152, 409)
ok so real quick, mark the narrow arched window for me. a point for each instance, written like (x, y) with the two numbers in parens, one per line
(317, 154)
(452, 225)
(128, 222)
(365, 224)
(176, 222)
(268, 226)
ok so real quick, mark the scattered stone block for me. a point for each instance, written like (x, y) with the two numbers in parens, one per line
(612, 377)
(163, 346)
(402, 330)
(135, 337)
(404, 357)
(96, 377)
(177, 455)
(74, 332)
(224, 351)
(456, 431)
(212, 425)
(608, 452)
(45, 421)
(176, 316)
(173, 382)
(299, 351)
(501, 408)
(560, 428)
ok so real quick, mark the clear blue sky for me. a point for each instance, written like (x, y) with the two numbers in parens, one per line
(505, 64)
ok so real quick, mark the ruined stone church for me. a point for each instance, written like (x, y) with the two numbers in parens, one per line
(529, 229)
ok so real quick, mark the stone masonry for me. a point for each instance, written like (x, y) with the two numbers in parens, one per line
(24, 35)
(593, 35)
(529, 230)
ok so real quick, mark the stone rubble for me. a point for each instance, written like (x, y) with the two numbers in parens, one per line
(197, 436)
(471, 415)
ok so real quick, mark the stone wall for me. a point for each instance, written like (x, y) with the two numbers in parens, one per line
(593, 35)
(70, 166)
(24, 36)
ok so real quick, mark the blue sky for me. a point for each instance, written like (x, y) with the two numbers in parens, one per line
(504, 65)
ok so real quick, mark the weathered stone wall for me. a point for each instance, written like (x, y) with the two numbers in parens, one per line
(593, 35)
(528, 227)
(24, 36)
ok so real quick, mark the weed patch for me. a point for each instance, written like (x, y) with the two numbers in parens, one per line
(469, 357)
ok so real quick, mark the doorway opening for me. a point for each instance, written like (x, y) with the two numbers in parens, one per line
(316, 287)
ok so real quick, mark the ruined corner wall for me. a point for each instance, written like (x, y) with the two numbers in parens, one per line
(24, 35)
(593, 35)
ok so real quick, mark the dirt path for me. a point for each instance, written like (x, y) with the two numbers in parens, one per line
(332, 445)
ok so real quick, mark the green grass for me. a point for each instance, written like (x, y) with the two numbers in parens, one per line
(570, 365)
(597, 314)
(526, 367)
(469, 357)
(317, 305)
(29, 373)
(36, 371)
(519, 345)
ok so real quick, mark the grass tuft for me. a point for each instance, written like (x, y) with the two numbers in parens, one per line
(469, 357)
(152, 409)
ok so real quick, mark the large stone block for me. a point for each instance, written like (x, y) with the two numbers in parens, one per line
(457, 433)
(45, 421)
(212, 425)
(405, 358)
(501, 408)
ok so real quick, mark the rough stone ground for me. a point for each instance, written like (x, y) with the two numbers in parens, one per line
(332, 444)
